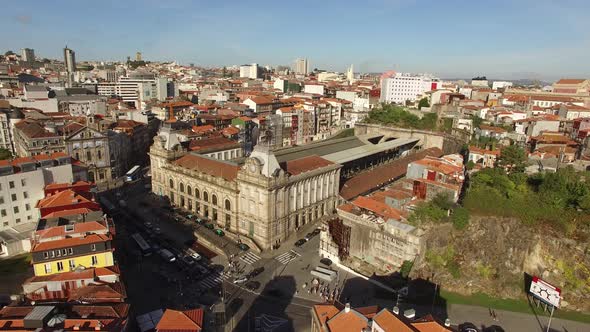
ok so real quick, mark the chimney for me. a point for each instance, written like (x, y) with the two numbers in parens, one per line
(347, 308)
(396, 310)
(447, 322)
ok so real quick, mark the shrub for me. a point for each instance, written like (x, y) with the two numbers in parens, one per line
(460, 218)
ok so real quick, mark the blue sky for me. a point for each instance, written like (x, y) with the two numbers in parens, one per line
(502, 39)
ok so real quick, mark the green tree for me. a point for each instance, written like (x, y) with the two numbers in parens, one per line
(406, 268)
(9, 52)
(423, 103)
(5, 154)
(477, 121)
(460, 218)
(512, 158)
(470, 165)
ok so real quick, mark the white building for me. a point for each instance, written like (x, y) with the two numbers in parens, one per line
(28, 55)
(301, 66)
(138, 89)
(314, 88)
(401, 87)
(501, 84)
(249, 71)
(22, 184)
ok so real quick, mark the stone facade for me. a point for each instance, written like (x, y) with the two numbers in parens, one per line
(259, 199)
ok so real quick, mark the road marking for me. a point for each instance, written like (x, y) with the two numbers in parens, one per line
(249, 258)
(213, 280)
(286, 257)
(295, 252)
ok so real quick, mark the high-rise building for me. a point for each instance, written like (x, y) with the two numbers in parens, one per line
(28, 55)
(401, 87)
(301, 66)
(250, 71)
(350, 74)
(70, 64)
(138, 56)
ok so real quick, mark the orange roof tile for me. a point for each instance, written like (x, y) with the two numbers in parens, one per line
(306, 164)
(71, 242)
(571, 81)
(208, 166)
(389, 321)
(173, 320)
(381, 209)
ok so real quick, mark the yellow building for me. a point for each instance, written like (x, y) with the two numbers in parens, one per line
(64, 255)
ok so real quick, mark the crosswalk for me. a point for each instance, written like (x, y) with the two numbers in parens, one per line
(288, 256)
(213, 280)
(249, 258)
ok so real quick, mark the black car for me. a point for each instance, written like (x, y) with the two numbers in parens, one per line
(243, 246)
(300, 242)
(316, 231)
(308, 236)
(326, 261)
(255, 272)
(252, 285)
(468, 327)
(210, 226)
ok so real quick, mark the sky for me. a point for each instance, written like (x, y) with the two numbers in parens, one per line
(544, 39)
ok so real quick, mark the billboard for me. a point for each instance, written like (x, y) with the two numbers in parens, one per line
(545, 292)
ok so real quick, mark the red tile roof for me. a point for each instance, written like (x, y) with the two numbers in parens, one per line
(174, 321)
(67, 197)
(382, 175)
(213, 143)
(389, 321)
(383, 210)
(99, 293)
(203, 129)
(208, 166)
(306, 164)
(571, 81)
(71, 242)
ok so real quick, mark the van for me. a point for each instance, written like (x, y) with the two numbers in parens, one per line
(167, 255)
(193, 254)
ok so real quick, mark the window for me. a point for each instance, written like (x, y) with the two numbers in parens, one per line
(23, 182)
(197, 194)
(5, 224)
(47, 268)
(171, 184)
(58, 253)
(13, 197)
(205, 196)
(70, 251)
(60, 266)
(72, 264)
(1, 200)
(77, 156)
(29, 217)
(94, 260)
(214, 199)
(45, 255)
(52, 254)
(227, 205)
(25, 194)
(3, 213)
(181, 187)
(99, 154)
(27, 207)
(11, 184)
(93, 247)
(64, 252)
(189, 190)
(15, 209)
(88, 156)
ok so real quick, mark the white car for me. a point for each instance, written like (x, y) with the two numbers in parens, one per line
(193, 254)
(167, 255)
(240, 280)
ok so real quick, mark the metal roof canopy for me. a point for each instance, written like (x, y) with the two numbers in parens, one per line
(345, 156)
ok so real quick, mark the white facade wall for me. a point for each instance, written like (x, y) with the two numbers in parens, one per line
(501, 84)
(346, 95)
(46, 105)
(314, 88)
(402, 87)
(28, 189)
(244, 71)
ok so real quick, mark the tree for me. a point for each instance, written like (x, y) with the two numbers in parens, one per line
(423, 103)
(470, 165)
(477, 121)
(9, 53)
(406, 268)
(512, 159)
(5, 154)
(460, 218)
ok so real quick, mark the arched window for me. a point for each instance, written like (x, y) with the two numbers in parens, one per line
(181, 187)
(227, 205)
(205, 196)
(197, 195)
(171, 183)
(189, 190)
(214, 199)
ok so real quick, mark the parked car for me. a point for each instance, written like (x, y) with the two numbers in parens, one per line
(155, 246)
(167, 255)
(300, 242)
(219, 232)
(240, 280)
(210, 226)
(326, 261)
(195, 255)
(256, 272)
(252, 285)
(468, 327)
(148, 225)
(199, 221)
(158, 230)
(243, 246)
(308, 236)
(188, 260)
(316, 231)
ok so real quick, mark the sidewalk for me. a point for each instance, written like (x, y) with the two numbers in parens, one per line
(290, 242)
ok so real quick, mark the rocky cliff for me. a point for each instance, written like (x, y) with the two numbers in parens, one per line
(492, 255)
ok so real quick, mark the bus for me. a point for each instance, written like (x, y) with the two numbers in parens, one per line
(133, 174)
(146, 250)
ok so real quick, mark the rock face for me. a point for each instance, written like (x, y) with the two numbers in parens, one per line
(492, 255)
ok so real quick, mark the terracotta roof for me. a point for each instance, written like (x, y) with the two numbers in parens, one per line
(381, 175)
(15, 312)
(173, 321)
(572, 107)
(324, 312)
(208, 166)
(88, 273)
(475, 149)
(389, 321)
(102, 292)
(438, 165)
(571, 81)
(213, 143)
(67, 197)
(118, 310)
(79, 228)
(348, 321)
(383, 210)
(261, 100)
(33, 130)
(230, 131)
(306, 164)
(203, 129)
(57, 186)
(71, 242)
(429, 324)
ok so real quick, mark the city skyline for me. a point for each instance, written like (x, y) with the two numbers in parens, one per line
(436, 38)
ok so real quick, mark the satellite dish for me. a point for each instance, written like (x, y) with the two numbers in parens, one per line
(56, 320)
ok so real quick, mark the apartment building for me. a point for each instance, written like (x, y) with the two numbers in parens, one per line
(401, 87)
